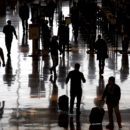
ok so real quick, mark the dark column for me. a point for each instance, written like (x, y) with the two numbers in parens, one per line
(2, 7)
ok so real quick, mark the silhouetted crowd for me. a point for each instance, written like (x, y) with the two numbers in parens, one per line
(56, 45)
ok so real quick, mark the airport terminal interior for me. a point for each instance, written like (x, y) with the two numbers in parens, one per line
(30, 92)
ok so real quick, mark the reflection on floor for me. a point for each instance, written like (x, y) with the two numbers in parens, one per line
(30, 96)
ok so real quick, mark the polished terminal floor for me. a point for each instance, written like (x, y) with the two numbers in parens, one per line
(31, 98)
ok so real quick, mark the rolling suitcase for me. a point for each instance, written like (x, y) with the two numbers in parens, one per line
(63, 103)
(96, 115)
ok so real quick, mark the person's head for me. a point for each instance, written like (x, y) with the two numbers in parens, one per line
(9, 22)
(99, 36)
(77, 66)
(111, 80)
(54, 38)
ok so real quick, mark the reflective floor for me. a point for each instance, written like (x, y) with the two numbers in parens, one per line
(31, 98)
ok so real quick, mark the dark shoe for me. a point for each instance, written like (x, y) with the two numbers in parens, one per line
(110, 126)
(120, 126)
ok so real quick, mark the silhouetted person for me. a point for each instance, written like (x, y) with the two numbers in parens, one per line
(101, 47)
(51, 6)
(24, 15)
(9, 30)
(74, 14)
(63, 36)
(112, 93)
(125, 44)
(75, 87)
(46, 35)
(2, 57)
(54, 47)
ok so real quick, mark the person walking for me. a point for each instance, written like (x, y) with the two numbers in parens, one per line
(63, 36)
(24, 15)
(101, 48)
(74, 14)
(112, 93)
(75, 88)
(51, 6)
(46, 36)
(9, 30)
(54, 47)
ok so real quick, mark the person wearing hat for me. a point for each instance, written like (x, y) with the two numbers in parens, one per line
(9, 30)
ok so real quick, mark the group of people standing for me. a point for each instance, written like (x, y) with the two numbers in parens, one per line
(111, 94)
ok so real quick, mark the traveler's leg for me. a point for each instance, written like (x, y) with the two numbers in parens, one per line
(110, 115)
(118, 116)
(72, 98)
(79, 95)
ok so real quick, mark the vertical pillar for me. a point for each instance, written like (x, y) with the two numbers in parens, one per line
(34, 35)
(2, 7)
(35, 46)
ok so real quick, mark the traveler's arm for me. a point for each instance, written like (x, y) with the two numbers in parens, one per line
(15, 33)
(104, 93)
(83, 78)
(67, 79)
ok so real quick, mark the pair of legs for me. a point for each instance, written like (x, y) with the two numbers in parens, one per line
(8, 42)
(62, 47)
(75, 31)
(25, 24)
(117, 113)
(74, 95)
(55, 63)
